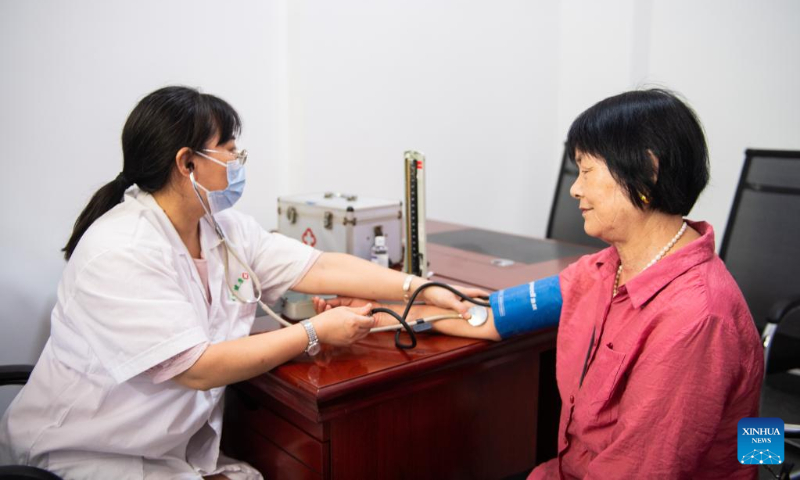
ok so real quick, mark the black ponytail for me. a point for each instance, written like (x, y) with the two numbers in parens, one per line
(102, 201)
(158, 127)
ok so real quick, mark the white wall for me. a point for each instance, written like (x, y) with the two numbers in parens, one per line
(470, 84)
(332, 93)
(738, 64)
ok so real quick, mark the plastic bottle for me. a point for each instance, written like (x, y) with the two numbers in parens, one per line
(379, 253)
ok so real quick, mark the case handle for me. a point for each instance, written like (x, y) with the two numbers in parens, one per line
(347, 196)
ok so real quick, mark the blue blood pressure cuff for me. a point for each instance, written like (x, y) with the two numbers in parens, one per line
(528, 307)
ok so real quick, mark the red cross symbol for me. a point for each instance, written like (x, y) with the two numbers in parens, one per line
(309, 238)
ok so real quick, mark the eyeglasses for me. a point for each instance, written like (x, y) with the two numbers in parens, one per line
(240, 155)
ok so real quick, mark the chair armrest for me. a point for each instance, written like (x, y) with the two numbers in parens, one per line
(781, 309)
(21, 472)
(15, 374)
(791, 430)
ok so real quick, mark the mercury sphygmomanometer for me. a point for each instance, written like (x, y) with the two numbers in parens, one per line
(524, 308)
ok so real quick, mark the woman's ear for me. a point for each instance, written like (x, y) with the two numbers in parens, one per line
(184, 161)
(653, 159)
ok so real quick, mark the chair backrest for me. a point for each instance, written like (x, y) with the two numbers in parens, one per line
(566, 221)
(761, 245)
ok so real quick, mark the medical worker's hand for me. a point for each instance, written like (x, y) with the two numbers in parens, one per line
(342, 326)
(321, 304)
(381, 319)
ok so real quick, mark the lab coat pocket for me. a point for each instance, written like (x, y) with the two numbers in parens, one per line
(240, 284)
(242, 321)
(246, 311)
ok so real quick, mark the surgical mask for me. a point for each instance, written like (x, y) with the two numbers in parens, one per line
(219, 200)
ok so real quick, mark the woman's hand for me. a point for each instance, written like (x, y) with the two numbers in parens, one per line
(448, 300)
(342, 326)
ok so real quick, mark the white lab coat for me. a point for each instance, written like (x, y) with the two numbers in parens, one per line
(129, 299)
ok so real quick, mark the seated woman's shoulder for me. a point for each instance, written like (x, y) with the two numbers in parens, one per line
(709, 291)
(121, 232)
(724, 294)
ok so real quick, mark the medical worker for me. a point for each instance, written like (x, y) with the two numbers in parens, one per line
(657, 355)
(154, 307)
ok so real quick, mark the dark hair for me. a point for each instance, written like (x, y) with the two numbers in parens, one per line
(625, 128)
(161, 124)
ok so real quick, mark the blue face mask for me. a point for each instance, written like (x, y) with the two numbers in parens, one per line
(219, 200)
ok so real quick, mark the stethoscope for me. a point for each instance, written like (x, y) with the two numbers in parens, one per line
(229, 251)
(479, 313)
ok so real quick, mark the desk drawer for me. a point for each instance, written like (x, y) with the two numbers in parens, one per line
(273, 462)
(267, 427)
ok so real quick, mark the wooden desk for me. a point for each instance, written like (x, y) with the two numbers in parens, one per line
(450, 408)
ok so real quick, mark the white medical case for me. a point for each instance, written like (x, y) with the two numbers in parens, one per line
(335, 222)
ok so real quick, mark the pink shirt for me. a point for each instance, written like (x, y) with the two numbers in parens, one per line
(676, 363)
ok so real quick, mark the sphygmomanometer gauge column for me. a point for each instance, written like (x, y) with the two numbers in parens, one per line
(416, 260)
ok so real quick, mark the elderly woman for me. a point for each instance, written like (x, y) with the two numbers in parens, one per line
(658, 357)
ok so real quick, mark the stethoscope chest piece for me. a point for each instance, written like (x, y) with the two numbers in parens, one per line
(479, 315)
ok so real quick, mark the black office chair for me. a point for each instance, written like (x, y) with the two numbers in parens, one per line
(566, 222)
(780, 392)
(761, 248)
(18, 375)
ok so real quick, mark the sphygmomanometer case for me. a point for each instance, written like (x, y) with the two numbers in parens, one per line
(335, 222)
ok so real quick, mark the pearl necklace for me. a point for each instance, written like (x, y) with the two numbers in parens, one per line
(658, 257)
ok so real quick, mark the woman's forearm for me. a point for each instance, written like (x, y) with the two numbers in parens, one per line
(456, 327)
(233, 361)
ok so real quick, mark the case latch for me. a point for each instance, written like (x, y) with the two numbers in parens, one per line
(291, 214)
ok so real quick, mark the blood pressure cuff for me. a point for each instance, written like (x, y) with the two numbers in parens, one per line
(528, 307)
